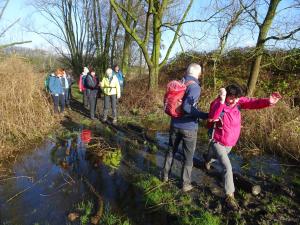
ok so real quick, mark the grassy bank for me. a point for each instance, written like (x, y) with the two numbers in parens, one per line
(25, 110)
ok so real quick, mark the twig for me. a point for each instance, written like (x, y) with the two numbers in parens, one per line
(58, 189)
(72, 180)
(155, 187)
(26, 189)
(10, 178)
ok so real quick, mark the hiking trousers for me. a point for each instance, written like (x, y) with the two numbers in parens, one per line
(59, 100)
(189, 140)
(93, 102)
(86, 98)
(110, 101)
(67, 97)
(220, 152)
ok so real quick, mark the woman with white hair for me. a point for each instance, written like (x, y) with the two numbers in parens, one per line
(111, 89)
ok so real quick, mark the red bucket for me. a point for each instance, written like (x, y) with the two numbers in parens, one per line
(86, 136)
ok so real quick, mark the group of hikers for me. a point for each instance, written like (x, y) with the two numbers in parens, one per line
(112, 85)
(224, 116)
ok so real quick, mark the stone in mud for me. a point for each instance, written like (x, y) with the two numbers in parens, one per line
(95, 220)
(73, 216)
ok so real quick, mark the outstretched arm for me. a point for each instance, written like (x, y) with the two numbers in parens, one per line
(259, 103)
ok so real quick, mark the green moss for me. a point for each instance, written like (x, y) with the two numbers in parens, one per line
(277, 203)
(85, 208)
(110, 218)
(86, 122)
(113, 158)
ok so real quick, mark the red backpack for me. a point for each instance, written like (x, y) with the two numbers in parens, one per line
(173, 97)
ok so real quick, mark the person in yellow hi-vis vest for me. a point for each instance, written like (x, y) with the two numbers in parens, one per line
(111, 89)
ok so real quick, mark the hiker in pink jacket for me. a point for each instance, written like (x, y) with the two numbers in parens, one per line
(82, 88)
(225, 120)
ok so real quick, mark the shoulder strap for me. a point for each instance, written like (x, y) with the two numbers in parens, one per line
(189, 83)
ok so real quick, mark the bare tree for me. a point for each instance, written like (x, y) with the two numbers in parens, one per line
(264, 28)
(155, 13)
(70, 19)
(3, 6)
(229, 18)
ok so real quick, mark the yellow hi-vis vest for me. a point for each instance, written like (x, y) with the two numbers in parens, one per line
(112, 87)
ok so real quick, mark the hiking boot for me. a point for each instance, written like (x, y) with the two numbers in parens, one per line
(207, 166)
(187, 187)
(231, 203)
(104, 119)
(114, 121)
(165, 179)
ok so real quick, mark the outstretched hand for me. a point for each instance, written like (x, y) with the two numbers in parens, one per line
(274, 98)
(222, 95)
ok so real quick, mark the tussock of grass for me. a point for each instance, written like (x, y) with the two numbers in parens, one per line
(24, 108)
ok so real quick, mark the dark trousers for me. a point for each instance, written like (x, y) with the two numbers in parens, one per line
(67, 97)
(110, 100)
(70, 92)
(59, 100)
(189, 140)
(93, 103)
(86, 98)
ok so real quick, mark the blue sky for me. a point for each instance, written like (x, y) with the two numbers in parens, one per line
(240, 37)
(21, 9)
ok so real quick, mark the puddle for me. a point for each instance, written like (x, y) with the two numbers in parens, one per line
(56, 175)
(266, 164)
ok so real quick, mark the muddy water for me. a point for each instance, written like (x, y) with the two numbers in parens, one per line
(257, 165)
(46, 184)
(56, 175)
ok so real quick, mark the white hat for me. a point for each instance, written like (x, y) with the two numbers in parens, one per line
(109, 72)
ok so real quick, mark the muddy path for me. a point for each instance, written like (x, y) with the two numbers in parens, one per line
(92, 172)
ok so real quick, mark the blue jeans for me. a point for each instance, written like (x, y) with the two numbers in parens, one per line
(67, 96)
(59, 100)
(189, 140)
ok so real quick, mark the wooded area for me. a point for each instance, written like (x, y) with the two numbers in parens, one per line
(131, 32)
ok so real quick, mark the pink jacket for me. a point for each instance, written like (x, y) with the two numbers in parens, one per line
(228, 133)
(80, 84)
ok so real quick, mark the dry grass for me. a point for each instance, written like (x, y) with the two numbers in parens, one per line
(275, 129)
(138, 99)
(24, 109)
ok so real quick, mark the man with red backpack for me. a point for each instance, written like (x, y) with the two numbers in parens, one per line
(184, 122)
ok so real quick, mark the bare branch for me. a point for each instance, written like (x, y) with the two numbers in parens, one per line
(14, 43)
(290, 34)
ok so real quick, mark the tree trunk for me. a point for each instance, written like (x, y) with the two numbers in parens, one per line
(126, 53)
(127, 41)
(141, 63)
(113, 47)
(154, 71)
(153, 77)
(263, 31)
(254, 75)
